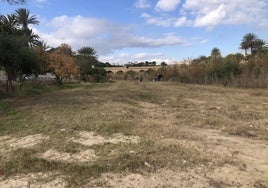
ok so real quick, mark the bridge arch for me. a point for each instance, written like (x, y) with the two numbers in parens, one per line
(135, 69)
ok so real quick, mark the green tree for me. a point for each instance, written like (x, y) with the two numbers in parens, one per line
(24, 19)
(201, 59)
(248, 42)
(234, 58)
(90, 68)
(15, 38)
(15, 58)
(215, 56)
(163, 64)
(259, 47)
(8, 23)
(88, 52)
(89, 55)
(17, 24)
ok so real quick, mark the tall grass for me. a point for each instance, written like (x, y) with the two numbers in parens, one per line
(252, 73)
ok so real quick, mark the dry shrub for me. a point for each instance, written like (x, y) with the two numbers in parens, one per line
(251, 74)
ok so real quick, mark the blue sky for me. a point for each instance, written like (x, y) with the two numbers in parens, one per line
(148, 30)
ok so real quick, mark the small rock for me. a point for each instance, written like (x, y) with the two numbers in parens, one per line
(214, 108)
(183, 161)
(147, 164)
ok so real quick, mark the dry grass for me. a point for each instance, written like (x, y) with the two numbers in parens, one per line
(160, 114)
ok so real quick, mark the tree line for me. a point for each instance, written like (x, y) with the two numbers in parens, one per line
(23, 52)
(240, 70)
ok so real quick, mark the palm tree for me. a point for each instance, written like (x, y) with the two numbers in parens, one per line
(43, 45)
(24, 19)
(259, 47)
(216, 55)
(8, 23)
(248, 42)
(33, 39)
(88, 51)
(89, 54)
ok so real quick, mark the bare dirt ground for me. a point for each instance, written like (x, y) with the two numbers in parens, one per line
(167, 135)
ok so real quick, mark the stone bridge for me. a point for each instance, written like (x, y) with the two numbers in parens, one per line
(135, 69)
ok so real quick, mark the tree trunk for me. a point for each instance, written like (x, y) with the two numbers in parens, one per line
(59, 80)
(9, 84)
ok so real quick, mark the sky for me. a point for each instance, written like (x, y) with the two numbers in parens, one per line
(123, 31)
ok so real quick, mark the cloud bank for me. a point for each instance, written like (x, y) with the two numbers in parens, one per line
(167, 5)
(102, 34)
(208, 13)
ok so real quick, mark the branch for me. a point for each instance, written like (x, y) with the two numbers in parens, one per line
(15, 1)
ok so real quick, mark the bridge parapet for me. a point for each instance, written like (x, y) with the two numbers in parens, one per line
(135, 69)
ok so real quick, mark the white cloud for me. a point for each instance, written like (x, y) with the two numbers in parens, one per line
(211, 18)
(166, 21)
(209, 13)
(158, 21)
(204, 41)
(124, 58)
(180, 21)
(105, 36)
(167, 39)
(167, 5)
(212, 13)
(142, 4)
(39, 3)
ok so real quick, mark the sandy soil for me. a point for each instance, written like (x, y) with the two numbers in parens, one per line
(90, 139)
(251, 169)
(86, 138)
(250, 156)
(33, 181)
(8, 143)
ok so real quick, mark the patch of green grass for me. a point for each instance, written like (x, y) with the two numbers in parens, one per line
(23, 161)
(61, 145)
(70, 85)
(7, 109)
(145, 96)
(16, 124)
(3, 93)
(34, 87)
